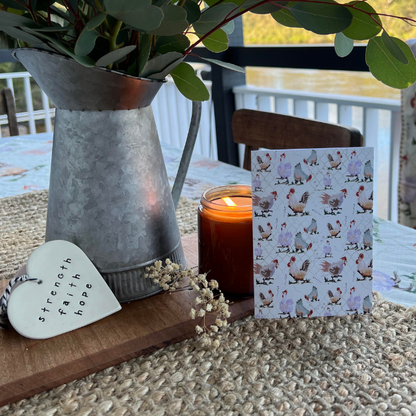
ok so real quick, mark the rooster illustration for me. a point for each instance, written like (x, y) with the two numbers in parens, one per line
(297, 206)
(327, 181)
(298, 274)
(313, 296)
(365, 270)
(353, 235)
(354, 167)
(301, 244)
(267, 271)
(312, 228)
(365, 200)
(265, 203)
(327, 249)
(258, 252)
(334, 298)
(257, 183)
(264, 163)
(366, 305)
(265, 233)
(334, 163)
(354, 301)
(368, 171)
(301, 311)
(334, 230)
(299, 175)
(312, 159)
(334, 269)
(367, 240)
(333, 201)
(284, 239)
(267, 300)
(284, 169)
(286, 305)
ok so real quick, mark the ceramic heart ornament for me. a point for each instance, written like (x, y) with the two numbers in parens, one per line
(70, 293)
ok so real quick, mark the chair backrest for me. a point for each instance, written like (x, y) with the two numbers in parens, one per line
(258, 129)
(7, 107)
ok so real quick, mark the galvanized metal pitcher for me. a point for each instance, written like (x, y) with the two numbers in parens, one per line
(109, 191)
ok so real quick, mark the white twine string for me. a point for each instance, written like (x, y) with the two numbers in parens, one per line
(4, 300)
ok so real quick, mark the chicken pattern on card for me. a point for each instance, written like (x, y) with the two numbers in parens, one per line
(312, 232)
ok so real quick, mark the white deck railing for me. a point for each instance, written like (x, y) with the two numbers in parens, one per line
(378, 119)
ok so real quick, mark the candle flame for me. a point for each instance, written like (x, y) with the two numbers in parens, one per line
(229, 202)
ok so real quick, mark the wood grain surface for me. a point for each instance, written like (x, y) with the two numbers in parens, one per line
(32, 366)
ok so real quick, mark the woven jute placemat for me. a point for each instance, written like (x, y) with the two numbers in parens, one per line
(352, 365)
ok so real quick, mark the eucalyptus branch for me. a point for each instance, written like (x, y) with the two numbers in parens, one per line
(114, 34)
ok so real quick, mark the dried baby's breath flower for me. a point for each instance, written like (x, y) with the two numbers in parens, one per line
(210, 301)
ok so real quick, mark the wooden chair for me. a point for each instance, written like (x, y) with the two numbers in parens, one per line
(257, 129)
(7, 107)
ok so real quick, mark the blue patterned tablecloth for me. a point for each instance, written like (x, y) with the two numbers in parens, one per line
(25, 166)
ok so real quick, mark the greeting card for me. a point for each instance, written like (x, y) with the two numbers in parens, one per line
(312, 232)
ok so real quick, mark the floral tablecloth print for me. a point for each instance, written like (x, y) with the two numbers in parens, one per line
(25, 166)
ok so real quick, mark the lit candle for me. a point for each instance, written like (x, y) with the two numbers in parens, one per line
(225, 238)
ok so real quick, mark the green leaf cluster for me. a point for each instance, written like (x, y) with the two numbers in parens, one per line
(150, 38)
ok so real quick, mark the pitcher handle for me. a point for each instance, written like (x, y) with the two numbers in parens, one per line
(187, 152)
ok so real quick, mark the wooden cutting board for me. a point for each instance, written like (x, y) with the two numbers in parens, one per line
(32, 366)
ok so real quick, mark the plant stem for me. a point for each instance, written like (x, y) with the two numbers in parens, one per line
(114, 34)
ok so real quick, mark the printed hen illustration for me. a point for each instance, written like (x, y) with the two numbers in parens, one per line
(364, 268)
(265, 233)
(334, 298)
(312, 159)
(334, 202)
(368, 171)
(297, 206)
(353, 235)
(365, 200)
(327, 181)
(354, 168)
(264, 163)
(313, 296)
(286, 305)
(353, 302)
(334, 269)
(334, 162)
(300, 244)
(284, 239)
(267, 300)
(258, 252)
(367, 240)
(312, 228)
(267, 271)
(297, 274)
(257, 183)
(301, 311)
(299, 175)
(284, 170)
(265, 203)
(334, 230)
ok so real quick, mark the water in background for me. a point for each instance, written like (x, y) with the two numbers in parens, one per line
(338, 82)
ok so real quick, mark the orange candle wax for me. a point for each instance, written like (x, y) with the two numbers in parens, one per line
(225, 238)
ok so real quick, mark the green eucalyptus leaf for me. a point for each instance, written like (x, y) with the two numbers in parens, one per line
(61, 13)
(386, 68)
(216, 41)
(53, 29)
(285, 18)
(174, 21)
(193, 11)
(229, 27)
(212, 17)
(13, 5)
(322, 18)
(176, 43)
(86, 42)
(41, 5)
(32, 40)
(162, 74)
(144, 51)
(393, 48)
(139, 14)
(362, 26)
(14, 20)
(96, 21)
(158, 64)
(114, 56)
(226, 65)
(189, 84)
(343, 45)
(269, 7)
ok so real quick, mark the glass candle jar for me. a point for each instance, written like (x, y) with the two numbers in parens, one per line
(225, 238)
